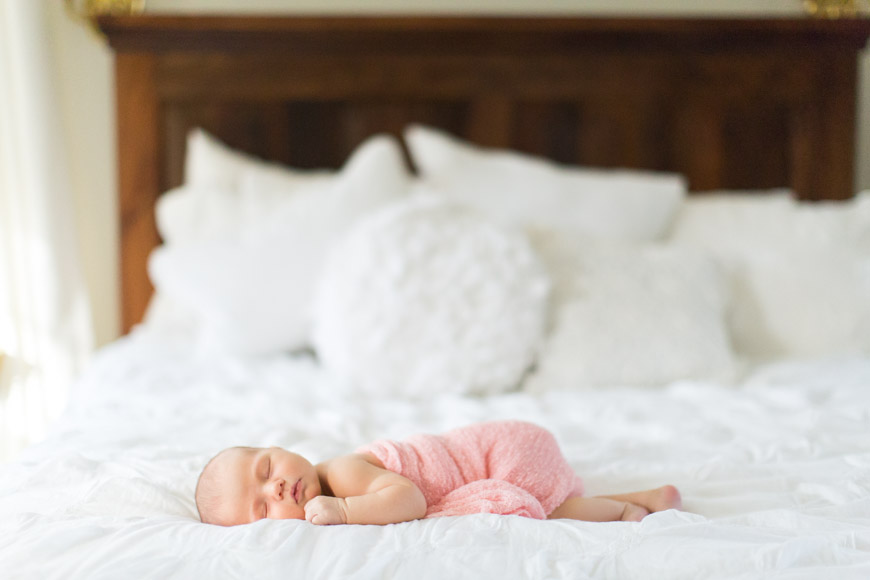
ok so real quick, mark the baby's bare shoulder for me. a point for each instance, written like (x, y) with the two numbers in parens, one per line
(351, 474)
(351, 462)
(346, 469)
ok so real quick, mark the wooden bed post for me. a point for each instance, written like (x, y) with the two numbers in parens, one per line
(819, 127)
(139, 178)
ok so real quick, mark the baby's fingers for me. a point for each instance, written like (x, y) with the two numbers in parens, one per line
(316, 511)
(324, 511)
(312, 513)
(318, 519)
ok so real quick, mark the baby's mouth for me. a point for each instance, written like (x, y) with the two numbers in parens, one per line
(297, 487)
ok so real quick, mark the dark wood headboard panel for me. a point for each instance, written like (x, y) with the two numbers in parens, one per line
(735, 103)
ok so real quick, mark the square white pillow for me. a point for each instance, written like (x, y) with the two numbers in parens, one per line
(210, 202)
(799, 272)
(210, 205)
(251, 285)
(211, 163)
(521, 190)
(192, 213)
(629, 314)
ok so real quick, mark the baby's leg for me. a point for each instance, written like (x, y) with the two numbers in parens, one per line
(598, 509)
(631, 507)
(655, 500)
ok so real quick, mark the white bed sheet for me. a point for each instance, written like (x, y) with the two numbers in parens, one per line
(775, 475)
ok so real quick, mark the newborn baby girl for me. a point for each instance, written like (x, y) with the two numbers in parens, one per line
(502, 467)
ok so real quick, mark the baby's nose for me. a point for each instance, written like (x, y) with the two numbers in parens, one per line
(277, 490)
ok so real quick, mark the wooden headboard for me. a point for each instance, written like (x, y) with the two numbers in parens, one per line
(729, 103)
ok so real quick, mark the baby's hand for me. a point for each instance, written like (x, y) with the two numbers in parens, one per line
(324, 510)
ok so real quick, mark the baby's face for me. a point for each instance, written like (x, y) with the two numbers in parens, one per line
(257, 483)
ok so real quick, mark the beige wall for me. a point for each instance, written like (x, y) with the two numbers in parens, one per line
(84, 68)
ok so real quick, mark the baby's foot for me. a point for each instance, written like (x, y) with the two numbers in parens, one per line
(634, 512)
(666, 497)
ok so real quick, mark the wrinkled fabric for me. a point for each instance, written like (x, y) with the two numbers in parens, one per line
(774, 472)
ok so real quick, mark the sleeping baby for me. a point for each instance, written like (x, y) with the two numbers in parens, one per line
(502, 467)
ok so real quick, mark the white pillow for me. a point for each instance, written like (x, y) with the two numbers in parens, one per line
(210, 203)
(428, 297)
(517, 189)
(190, 213)
(630, 315)
(210, 163)
(800, 272)
(251, 286)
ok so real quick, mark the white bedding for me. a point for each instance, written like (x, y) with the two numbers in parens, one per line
(775, 475)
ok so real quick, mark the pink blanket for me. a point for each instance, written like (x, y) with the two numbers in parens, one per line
(501, 467)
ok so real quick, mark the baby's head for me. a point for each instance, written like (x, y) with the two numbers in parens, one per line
(241, 485)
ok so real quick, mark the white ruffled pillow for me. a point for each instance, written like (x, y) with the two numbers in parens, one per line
(521, 190)
(630, 315)
(800, 272)
(428, 297)
(249, 276)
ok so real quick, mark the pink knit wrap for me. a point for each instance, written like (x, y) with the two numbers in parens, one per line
(500, 467)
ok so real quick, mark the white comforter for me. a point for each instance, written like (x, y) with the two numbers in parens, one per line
(775, 475)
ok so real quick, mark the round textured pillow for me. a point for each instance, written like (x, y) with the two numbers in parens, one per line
(427, 297)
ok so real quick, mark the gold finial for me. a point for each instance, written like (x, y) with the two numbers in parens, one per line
(87, 11)
(93, 8)
(833, 8)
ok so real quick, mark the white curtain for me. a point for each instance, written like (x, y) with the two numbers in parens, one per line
(45, 324)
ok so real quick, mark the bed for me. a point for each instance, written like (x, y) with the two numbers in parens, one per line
(641, 234)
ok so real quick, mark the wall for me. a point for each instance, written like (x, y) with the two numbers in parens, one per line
(83, 65)
(87, 93)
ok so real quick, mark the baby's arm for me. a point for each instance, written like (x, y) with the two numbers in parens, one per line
(364, 494)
